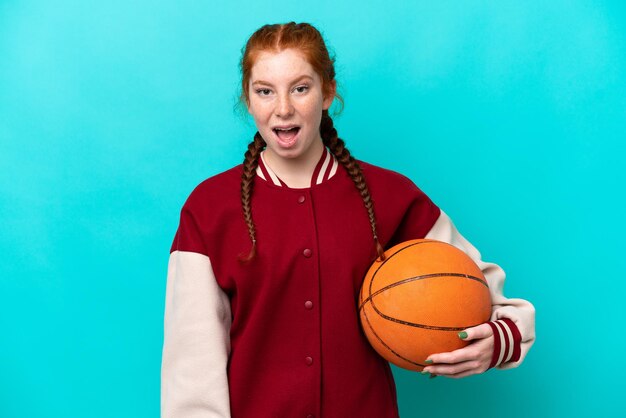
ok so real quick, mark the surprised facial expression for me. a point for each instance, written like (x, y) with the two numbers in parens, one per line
(286, 102)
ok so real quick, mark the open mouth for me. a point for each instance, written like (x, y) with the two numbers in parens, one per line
(287, 136)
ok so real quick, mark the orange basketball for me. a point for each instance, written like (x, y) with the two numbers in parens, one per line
(415, 302)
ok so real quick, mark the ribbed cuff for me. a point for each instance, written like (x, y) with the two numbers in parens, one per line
(507, 342)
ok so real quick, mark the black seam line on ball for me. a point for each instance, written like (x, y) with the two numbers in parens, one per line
(392, 256)
(422, 277)
(381, 266)
(396, 319)
(399, 251)
(385, 344)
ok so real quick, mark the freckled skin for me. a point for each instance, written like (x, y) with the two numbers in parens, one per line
(284, 90)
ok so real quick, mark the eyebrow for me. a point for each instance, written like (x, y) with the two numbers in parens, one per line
(267, 83)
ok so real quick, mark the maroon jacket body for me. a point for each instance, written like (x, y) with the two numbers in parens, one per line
(297, 348)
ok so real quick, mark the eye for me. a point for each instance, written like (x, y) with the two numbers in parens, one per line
(263, 92)
(302, 89)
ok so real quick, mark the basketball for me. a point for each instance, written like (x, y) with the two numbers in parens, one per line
(415, 302)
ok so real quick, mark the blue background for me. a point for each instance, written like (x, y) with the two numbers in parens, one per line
(510, 115)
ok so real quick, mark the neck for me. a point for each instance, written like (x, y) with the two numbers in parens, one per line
(296, 172)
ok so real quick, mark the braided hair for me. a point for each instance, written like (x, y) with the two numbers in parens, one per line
(251, 162)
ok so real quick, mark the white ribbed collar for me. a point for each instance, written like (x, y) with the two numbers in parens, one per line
(325, 169)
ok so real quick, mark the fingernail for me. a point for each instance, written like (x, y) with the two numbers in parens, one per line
(462, 335)
(428, 362)
(432, 376)
(425, 372)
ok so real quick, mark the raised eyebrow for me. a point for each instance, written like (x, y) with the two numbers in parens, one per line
(296, 80)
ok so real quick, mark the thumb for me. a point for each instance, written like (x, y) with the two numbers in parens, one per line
(476, 333)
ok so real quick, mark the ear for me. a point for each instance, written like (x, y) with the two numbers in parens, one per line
(328, 99)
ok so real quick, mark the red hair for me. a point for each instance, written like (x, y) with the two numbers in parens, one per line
(299, 36)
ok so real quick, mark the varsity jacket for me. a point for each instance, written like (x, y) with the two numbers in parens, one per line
(280, 336)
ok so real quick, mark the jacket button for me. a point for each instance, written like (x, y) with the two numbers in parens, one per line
(307, 252)
(308, 361)
(308, 304)
(301, 199)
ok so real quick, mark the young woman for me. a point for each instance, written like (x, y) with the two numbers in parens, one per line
(261, 302)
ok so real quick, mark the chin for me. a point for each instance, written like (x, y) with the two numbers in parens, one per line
(287, 153)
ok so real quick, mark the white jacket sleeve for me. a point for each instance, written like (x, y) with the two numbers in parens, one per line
(520, 311)
(196, 342)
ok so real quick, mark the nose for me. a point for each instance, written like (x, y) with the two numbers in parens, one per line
(284, 106)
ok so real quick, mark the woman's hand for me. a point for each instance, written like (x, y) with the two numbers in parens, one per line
(466, 361)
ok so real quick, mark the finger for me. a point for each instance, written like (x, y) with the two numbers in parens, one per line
(479, 349)
(476, 333)
(453, 369)
(458, 370)
(454, 357)
(460, 375)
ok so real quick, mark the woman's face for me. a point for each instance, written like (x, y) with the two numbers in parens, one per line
(286, 102)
